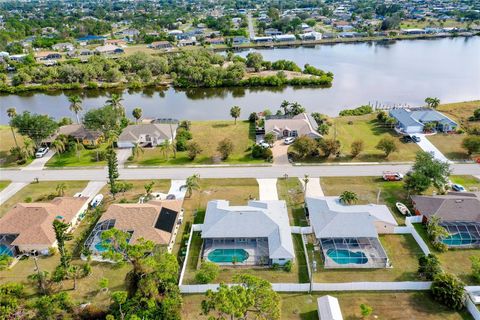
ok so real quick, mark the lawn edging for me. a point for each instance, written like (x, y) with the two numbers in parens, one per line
(200, 166)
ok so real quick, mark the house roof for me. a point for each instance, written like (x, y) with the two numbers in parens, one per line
(268, 219)
(331, 219)
(33, 221)
(154, 220)
(418, 117)
(303, 123)
(404, 117)
(157, 130)
(329, 308)
(454, 206)
(78, 131)
(107, 48)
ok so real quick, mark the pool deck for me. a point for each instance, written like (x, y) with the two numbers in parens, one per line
(253, 258)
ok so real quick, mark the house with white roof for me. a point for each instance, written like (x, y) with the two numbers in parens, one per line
(147, 134)
(348, 234)
(255, 234)
(286, 126)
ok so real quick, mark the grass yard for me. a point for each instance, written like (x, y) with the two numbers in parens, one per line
(386, 305)
(137, 190)
(414, 24)
(291, 190)
(6, 143)
(456, 261)
(469, 182)
(4, 184)
(459, 111)
(297, 274)
(450, 145)
(403, 252)
(39, 192)
(367, 189)
(367, 129)
(85, 158)
(208, 134)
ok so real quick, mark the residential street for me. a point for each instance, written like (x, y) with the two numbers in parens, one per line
(179, 173)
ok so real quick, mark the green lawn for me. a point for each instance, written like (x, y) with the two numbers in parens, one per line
(386, 305)
(403, 252)
(291, 190)
(460, 111)
(137, 190)
(450, 145)
(367, 129)
(39, 192)
(469, 182)
(456, 261)
(6, 143)
(297, 274)
(84, 158)
(4, 184)
(208, 134)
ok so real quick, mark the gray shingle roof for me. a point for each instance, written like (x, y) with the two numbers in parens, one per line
(454, 206)
(158, 130)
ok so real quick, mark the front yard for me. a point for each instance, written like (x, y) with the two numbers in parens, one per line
(4, 184)
(291, 190)
(6, 143)
(137, 190)
(82, 158)
(208, 134)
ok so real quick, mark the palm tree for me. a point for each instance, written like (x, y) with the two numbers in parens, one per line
(28, 147)
(78, 147)
(11, 113)
(235, 112)
(191, 184)
(115, 101)
(166, 147)
(284, 105)
(58, 145)
(111, 137)
(348, 197)
(432, 102)
(74, 272)
(61, 187)
(137, 114)
(148, 189)
(137, 150)
(75, 105)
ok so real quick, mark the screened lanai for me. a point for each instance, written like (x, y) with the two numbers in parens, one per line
(242, 251)
(94, 240)
(353, 253)
(6, 246)
(463, 234)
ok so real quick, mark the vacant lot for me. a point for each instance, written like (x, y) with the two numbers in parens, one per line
(403, 252)
(450, 145)
(459, 111)
(6, 143)
(41, 192)
(386, 305)
(291, 190)
(208, 134)
(136, 191)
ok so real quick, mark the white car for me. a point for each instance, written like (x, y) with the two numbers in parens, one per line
(264, 144)
(289, 140)
(41, 152)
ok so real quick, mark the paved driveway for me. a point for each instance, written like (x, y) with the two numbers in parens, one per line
(314, 188)
(427, 146)
(122, 155)
(268, 189)
(279, 152)
(92, 189)
(39, 164)
(10, 190)
(176, 188)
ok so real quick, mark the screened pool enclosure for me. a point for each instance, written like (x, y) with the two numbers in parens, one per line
(241, 251)
(353, 253)
(462, 234)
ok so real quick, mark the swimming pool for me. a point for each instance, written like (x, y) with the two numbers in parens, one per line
(4, 249)
(459, 239)
(99, 247)
(342, 256)
(228, 255)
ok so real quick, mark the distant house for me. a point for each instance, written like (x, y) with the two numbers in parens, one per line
(348, 234)
(285, 126)
(108, 49)
(187, 42)
(256, 234)
(272, 32)
(17, 57)
(156, 221)
(239, 40)
(64, 46)
(413, 31)
(47, 55)
(329, 308)
(262, 39)
(459, 214)
(160, 45)
(311, 36)
(414, 120)
(215, 41)
(28, 226)
(147, 134)
(284, 38)
(80, 133)
(116, 42)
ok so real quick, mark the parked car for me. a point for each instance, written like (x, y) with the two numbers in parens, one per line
(264, 144)
(392, 176)
(289, 140)
(406, 139)
(41, 152)
(458, 188)
(415, 138)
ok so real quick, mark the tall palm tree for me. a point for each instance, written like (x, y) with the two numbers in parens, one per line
(58, 145)
(61, 189)
(75, 105)
(28, 147)
(137, 150)
(432, 102)
(191, 184)
(137, 114)
(348, 197)
(11, 113)
(284, 105)
(166, 147)
(115, 101)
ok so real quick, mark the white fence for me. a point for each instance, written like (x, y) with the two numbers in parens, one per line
(185, 262)
(410, 229)
(301, 230)
(347, 286)
(472, 308)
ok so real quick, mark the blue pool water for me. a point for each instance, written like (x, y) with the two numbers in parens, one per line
(99, 247)
(459, 239)
(4, 249)
(228, 255)
(341, 256)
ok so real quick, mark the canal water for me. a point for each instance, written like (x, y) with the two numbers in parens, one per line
(396, 72)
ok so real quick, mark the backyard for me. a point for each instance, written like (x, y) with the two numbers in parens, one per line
(386, 305)
(291, 190)
(208, 134)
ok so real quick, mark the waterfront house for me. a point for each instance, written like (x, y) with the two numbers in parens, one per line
(272, 32)
(311, 36)
(284, 38)
(262, 39)
(256, 234)
(348, 234)
(411, 121)
(64, 46)
(47, 55)
(147, 134)
(239, 40)
(79, 133)
(28, 226)
(287, 126)
(459, 214)
(156, 221)
(187, 42)
(215, 41)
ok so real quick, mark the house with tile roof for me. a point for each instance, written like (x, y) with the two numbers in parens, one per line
(286, 126)
(147, 134)
(28, 226)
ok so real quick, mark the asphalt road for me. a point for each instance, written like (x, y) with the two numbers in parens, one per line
(179, 173)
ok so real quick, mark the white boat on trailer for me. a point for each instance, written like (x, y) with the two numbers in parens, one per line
(403, 209)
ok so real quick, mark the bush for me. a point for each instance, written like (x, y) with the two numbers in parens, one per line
(258, 152)
(193, 149)
(253, 117)
(288, 266)
(207, 273)
(305, 146)
(275, 266)
(184, 134)
(181, 144)
(475, 267)
(357, 111)
(225, 147)
(429, 267)
(5, 261)
(449, 291)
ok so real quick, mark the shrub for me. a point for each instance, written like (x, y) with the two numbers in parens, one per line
(207, 273)
(305, 146)
(181, 144)
(357, 111)
(5, 261)
(288, 266)
(193, 149)
(449, 291)
(387, 145)
(184, 134)
(329, 146)
(258, 152)
(225, 147)
(28, 199)
(356, 148)
(471, 144)
(475, 267)
(429, 266)
(275, 266)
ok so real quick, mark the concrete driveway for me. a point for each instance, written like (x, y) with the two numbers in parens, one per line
(10, 190)
(427, 146)
(39, 164)
(268, 189)
(314, 188)
(177, 190)
(122, 155)
(280, 154)
(92, 189)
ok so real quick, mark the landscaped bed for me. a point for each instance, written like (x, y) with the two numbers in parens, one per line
(386, 305)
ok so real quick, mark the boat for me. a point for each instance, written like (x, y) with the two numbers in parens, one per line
(402, 208)
(96, 201)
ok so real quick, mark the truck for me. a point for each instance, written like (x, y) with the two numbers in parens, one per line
(392, 176)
